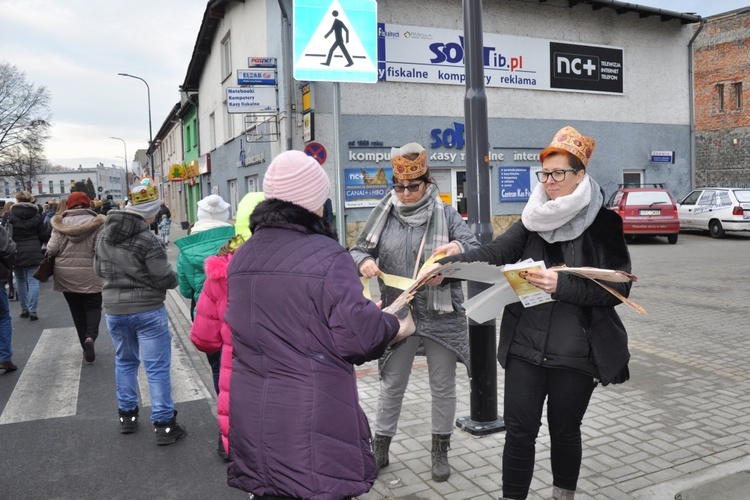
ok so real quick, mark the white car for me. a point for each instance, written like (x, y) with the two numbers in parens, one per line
(716, 210)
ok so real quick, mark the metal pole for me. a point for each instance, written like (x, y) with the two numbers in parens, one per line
(126, 152)
(150, 135)
(338, 175)
(483, 419)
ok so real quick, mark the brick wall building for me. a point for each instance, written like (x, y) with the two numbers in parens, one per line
(722, 100)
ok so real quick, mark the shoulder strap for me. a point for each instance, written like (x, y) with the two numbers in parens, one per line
(419, 254)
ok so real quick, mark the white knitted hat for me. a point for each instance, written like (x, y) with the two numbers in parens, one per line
(213, 207)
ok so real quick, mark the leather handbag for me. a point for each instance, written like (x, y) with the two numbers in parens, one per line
(46, 268)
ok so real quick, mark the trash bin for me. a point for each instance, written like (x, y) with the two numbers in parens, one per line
(184, 225)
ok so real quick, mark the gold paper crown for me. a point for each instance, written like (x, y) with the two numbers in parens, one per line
(145, 192)
(570, 140)
(409, 169)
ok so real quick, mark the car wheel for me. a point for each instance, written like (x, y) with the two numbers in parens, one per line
(714, 227)
(672, 238)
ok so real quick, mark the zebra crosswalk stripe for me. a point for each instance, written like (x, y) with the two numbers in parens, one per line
(49, 382)
(48, 385)
(184, 381)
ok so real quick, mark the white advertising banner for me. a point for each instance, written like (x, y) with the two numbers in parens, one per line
(417, 54)
(252, 100)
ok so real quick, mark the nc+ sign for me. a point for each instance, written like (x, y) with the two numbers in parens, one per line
(335, 40)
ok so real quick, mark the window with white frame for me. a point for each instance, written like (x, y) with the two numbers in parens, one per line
(228, 123)
(251, 183)
(212, 131)
(226, 57)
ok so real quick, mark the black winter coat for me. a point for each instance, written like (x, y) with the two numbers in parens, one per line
(29, 233)
(580, 330)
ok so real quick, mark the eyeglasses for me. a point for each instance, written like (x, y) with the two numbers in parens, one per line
(557, 175)
(413, 188)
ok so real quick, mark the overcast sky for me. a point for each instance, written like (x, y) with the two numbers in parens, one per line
(75, 48)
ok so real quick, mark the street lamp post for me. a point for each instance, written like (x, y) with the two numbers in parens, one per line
(126, 152)
(150, 135)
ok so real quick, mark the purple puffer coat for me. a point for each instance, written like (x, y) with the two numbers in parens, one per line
(299, 322)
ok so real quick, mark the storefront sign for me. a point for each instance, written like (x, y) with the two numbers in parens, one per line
(515, 183)
(662, 156)
(256, 77)
(365, 187)
(261, 62)
(418, 54)
(251, 100)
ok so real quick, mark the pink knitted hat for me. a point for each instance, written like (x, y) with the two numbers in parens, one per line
(297, 178)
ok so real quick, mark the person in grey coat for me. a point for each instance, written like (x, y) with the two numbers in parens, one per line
(408, 224)
(137, 274)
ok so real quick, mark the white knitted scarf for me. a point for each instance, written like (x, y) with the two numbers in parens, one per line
(566, 217)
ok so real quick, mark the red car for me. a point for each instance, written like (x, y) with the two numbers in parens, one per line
(646, 211)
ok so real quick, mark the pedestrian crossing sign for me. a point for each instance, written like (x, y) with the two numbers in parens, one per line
(335, 40)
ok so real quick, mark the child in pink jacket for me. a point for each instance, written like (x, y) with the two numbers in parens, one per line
(210, 333)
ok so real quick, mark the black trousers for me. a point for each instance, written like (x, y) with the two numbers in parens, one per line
(567, 394)
(86, 309)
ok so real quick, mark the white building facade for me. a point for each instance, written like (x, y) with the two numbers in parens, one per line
(618, 72)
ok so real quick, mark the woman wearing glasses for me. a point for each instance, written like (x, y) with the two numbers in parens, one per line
(408, 224)
(558, 350)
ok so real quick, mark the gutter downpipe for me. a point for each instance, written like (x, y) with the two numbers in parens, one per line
(287, 58)
(691, 98)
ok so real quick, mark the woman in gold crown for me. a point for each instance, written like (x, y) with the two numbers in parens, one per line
(400, 234)
(560, 350)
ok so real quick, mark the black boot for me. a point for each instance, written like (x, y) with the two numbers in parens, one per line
(380, 445)
(128, 421)
(441, 471)
(168, 432)
(220, 450)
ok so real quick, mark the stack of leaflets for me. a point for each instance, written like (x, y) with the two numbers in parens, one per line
(528, 294)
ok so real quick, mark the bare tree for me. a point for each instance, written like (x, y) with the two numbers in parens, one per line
(24, 126)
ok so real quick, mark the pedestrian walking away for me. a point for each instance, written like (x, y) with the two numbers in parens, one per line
(211, 334)
(7, 256)
(299, 323)
(73, 244)
(9, 229)
(29, 233)
(402, 232)
(137, 275)
(559, 350)
(164, 227)
(204, 239)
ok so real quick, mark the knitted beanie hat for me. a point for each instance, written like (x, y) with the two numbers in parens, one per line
(297, 178)
(213, 207)
(78, 199)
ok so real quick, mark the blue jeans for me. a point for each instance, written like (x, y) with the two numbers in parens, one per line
(6, 349)
(27, 287)
(147, 332)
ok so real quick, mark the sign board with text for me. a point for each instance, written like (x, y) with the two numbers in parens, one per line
(261, 62)
(662, 156)
(417, 54)
(256, 77)
(252, 100)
